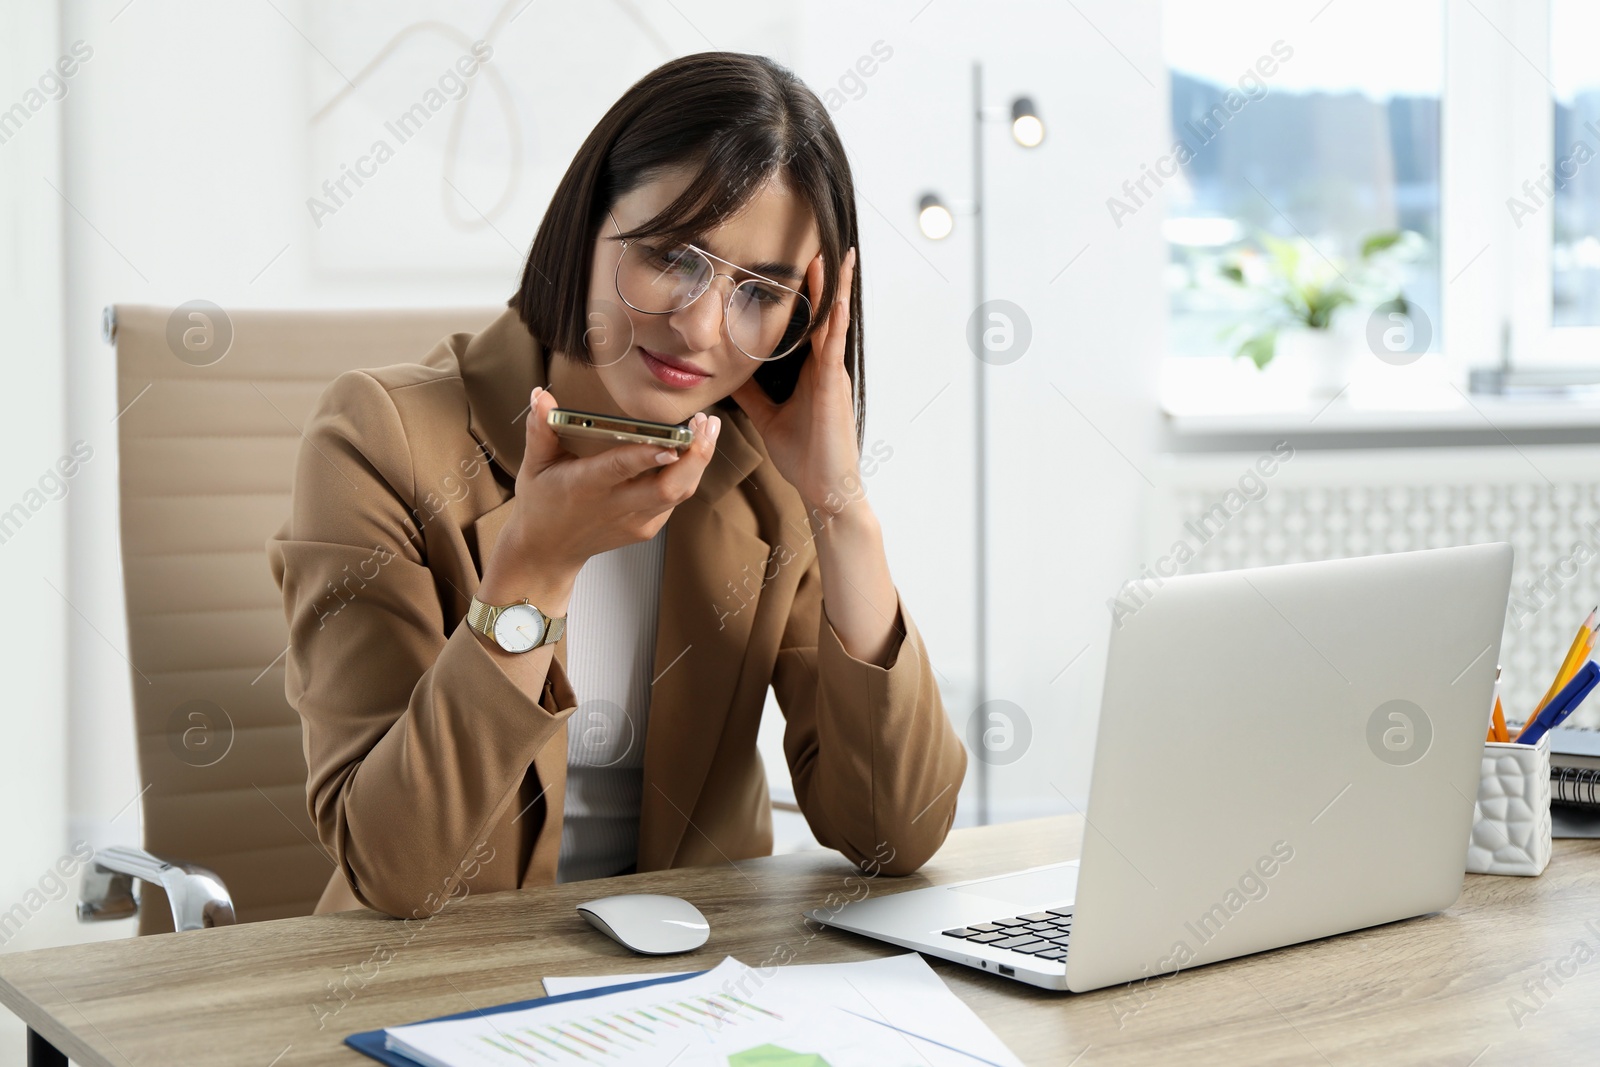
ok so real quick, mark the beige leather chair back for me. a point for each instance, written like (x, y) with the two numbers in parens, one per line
(211, 404)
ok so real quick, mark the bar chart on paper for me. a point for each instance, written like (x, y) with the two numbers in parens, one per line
(720, 1018)
(661, 1026)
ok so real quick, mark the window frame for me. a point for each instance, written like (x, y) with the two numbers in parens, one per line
(1534, 339)
(1497, 131)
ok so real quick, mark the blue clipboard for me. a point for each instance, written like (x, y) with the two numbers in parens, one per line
(370, 1042)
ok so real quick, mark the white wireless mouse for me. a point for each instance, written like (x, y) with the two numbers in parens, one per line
(648, 923)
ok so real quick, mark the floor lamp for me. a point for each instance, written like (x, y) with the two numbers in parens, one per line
(935, 218)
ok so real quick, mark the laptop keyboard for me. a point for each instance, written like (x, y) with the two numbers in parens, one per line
(1039, 933)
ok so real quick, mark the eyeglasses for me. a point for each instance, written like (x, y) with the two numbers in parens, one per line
(765, 320)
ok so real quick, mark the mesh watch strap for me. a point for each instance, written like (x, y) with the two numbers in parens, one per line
(479, 616)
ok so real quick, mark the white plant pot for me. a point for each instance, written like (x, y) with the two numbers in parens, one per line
(1327, 359)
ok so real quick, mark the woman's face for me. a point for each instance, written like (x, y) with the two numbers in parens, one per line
(775, 227)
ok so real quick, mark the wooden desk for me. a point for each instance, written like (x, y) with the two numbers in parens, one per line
(1432, 990)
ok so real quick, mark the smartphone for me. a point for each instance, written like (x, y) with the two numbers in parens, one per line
(568, 423)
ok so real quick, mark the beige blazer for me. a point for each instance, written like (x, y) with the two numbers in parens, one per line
(431, 775)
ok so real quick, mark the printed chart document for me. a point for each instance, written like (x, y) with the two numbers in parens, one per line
(730, 1016)
(902, 991)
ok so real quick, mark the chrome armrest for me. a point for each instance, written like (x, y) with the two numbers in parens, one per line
(199, 899)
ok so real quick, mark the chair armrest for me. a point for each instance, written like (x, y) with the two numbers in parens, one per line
(199, 899)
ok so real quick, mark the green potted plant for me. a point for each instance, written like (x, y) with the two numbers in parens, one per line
(1299, 290)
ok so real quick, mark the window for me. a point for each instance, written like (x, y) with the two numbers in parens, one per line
(1549, 198)
(1575, 174)
(1320, 131)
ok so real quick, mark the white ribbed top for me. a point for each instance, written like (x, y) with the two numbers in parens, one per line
(611, 638)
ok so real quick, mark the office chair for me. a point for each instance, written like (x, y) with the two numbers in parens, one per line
(210, 407)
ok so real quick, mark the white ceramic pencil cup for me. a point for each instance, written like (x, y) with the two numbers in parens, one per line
(1511, 820)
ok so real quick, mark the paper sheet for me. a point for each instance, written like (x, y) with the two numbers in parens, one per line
(731, 1016)
(903, 989)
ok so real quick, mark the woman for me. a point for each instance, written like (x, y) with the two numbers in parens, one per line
(696, 265)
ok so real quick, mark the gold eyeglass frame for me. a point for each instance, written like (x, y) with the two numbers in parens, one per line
(727, 308)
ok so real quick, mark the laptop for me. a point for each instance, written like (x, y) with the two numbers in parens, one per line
(1284, 753)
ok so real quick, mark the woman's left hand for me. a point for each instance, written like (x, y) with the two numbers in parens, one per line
(811, 437)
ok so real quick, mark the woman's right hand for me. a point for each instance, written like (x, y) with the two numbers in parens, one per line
(568, 508)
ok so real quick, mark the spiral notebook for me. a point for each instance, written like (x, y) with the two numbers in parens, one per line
(1575, 766)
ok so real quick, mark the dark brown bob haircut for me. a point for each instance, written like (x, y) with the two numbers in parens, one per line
(736, 120)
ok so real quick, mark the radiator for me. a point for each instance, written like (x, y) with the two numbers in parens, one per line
(1235, 510)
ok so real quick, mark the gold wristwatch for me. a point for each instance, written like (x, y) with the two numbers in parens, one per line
(518, 627)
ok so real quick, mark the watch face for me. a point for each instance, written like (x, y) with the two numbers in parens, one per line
(518, 627)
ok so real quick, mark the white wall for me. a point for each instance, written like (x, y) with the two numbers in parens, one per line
(1073, 422)
(1063, 501)
(33, 567)
(37, 887)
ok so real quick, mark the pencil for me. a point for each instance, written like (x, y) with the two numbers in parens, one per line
(1496, 716)
(1581, 644)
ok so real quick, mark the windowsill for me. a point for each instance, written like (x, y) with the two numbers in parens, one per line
(1220, 395)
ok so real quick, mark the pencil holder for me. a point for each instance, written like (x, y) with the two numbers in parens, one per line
(1511, 820)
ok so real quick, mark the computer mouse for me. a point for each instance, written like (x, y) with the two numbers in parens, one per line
(648, 923)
